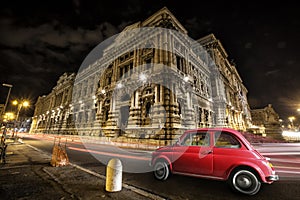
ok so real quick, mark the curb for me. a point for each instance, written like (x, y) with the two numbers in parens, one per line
(125, 185)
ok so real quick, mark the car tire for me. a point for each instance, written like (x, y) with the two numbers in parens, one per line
(161, 170)
(245, 181)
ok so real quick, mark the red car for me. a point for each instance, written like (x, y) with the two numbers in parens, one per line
(215, 153)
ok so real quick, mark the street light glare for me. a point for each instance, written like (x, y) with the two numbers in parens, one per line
(292, 118)
(25, 103)
(7, 85)
(15, 102)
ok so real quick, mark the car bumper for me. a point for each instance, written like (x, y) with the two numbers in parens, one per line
(273, 178)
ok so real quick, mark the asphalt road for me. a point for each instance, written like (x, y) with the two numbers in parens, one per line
(285, 157)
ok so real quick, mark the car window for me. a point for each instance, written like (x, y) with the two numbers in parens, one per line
(226, 140)
(196, 139)
(187, 141)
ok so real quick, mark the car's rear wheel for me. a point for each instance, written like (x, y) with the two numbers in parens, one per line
(161, 170)
(245, 181)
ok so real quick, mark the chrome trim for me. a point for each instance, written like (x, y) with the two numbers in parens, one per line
(199, 176)
(273, 178)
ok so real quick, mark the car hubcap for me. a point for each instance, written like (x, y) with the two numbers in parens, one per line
(160, 170)
(244, 181)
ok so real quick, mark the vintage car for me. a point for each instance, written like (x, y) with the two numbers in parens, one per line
(215, 153)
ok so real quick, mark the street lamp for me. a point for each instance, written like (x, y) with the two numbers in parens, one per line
(5, 105)
(7, 97)
(292, 118)
(20, 105)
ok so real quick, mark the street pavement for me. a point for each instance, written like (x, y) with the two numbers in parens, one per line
(27, 174)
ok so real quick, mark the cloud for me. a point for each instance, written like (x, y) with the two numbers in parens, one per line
(36, 54)
(281, 45)
(248, 45)
(54, 34)
(16, 37)
(272, 72)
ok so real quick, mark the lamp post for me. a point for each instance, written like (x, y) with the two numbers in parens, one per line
(20, 106)
(292, 118)
(7, 97)
(5, 105)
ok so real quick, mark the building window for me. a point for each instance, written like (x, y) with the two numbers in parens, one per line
(148, 106)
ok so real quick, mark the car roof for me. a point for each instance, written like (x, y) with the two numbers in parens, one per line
(232, 131)
(214, 129)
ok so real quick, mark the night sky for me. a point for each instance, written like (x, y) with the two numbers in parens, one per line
(40, 40)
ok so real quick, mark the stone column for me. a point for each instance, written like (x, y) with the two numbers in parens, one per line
(161, 51)
(156, 52)
(161, 93)
(156, 92)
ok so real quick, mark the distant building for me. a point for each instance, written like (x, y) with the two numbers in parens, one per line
(1, 113)
(53, 112)
(266, 118)
(208, 90)
(1, 109)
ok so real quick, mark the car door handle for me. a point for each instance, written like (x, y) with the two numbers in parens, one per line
(206, 152)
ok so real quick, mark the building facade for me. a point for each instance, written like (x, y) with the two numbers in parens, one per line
(149, 83)
(53, 112)
(235, 105)
(267, 119)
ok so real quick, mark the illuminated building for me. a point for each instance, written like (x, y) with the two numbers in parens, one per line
(151, 85)
(268, 119)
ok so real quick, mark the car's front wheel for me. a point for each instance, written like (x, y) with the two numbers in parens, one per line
(161, 170)
(245, 181)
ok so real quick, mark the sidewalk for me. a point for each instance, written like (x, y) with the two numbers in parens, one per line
(28, 174)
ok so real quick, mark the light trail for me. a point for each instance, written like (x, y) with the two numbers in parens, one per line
(280, 153)
(285, 167)
(284, 156)
(110, 154)
(280, 172)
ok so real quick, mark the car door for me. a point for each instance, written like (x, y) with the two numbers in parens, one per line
(193, 155)
(226, 152)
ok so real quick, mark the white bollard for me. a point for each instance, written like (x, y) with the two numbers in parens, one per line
(114, 175)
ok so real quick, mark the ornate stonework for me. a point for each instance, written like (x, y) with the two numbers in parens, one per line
(152, 85)
(268, 119)
(53, 112)
(234, 108)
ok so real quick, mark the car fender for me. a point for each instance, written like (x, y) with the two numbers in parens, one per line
(162, 157)
(246, 165)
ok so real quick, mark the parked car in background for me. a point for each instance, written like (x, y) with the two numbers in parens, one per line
(215, 153)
